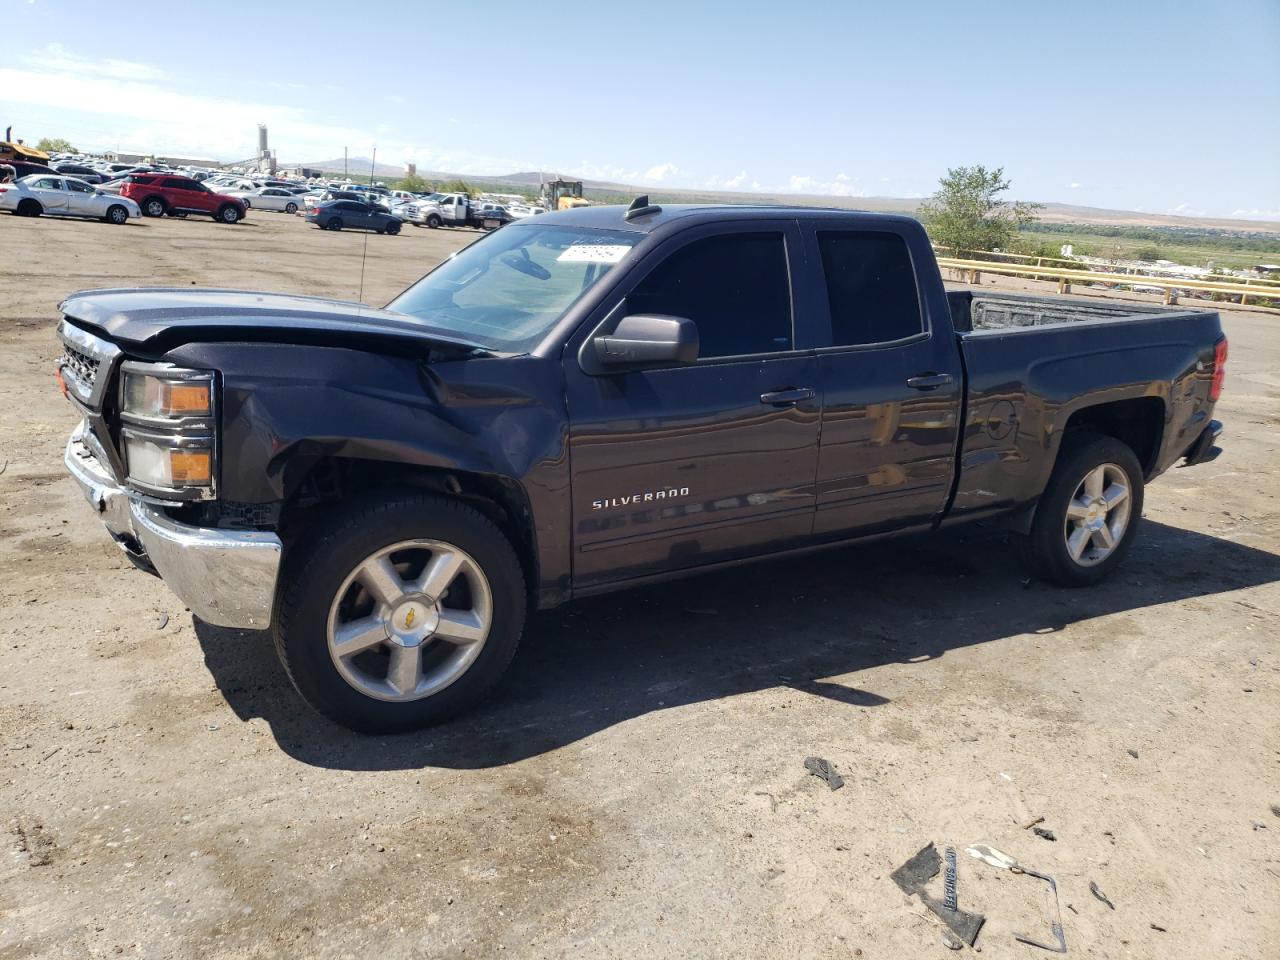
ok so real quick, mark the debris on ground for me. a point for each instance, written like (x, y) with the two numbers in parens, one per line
(824, 770)
(1156, 926)
(1132, 753)
(1044, 834)
(1032, 822)
(1003, 861)
(1275, 808)
(1099, 895)
(951, 941)
(912, 877)
(33, 842)
(162, 621)
(1055, 922)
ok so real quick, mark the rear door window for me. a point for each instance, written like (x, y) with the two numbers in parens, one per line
(871, 287)
(735, 287)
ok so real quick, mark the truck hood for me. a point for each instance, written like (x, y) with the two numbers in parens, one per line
(156, 319)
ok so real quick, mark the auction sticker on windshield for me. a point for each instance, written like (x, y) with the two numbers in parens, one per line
(594, 253)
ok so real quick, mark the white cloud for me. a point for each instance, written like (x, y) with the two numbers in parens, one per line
(841, 186)
(59, 58)
(659, 173)
(1186, 210)
(1256, 214)
(1074, 186)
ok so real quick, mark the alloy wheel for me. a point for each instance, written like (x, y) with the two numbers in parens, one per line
(1097, 515)
(409, 620)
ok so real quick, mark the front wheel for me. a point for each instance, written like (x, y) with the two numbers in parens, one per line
(291, 208)
(116, 214)
(1089, 513)
(393, 228)
(400, 614)
(433, 221)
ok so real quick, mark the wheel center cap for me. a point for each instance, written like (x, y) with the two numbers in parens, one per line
(412, 621)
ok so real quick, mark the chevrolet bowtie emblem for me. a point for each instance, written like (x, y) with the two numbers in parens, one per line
(409, 618)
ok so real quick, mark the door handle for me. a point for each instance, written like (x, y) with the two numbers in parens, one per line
(788, 397)
(930, 381)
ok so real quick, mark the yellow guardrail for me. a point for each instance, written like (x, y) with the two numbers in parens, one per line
(1040, 261)
(975, 268)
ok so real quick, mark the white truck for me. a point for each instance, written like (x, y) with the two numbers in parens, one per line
(455, 210)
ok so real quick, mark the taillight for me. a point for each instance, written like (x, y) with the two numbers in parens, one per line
(1219, 368)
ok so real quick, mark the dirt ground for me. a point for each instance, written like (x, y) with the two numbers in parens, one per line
(636, 788)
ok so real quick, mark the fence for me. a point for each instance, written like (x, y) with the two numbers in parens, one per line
(1244, 289)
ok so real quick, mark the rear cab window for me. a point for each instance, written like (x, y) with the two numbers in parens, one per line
(871, 287)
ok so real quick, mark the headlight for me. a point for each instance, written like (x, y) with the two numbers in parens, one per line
(168, 463)
(175, 396)
(167, 433)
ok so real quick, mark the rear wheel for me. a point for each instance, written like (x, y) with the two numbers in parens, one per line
(29, 208)
(401, 614)
(290, 208)
(116, 214)
(229, 214)
(335, 223)
(154, 207)
(1088, 515)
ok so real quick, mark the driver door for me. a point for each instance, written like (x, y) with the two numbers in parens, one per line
(684, 465)
(82, 200)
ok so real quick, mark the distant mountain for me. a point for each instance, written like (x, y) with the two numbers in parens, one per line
(355, 166)
(604, 191)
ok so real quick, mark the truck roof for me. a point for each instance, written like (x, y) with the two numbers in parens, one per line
(612, 217)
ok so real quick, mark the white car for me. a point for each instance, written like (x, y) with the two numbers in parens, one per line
(268, 198)
(64, 197)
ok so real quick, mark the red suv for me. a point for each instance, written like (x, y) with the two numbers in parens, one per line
(161, 193)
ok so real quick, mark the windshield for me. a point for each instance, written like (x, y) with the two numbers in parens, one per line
(506, 291)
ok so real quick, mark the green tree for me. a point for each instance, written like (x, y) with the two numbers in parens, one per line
(413, 184)
(966, 213)
(1147, 252)
(55, 145)
(456, 186)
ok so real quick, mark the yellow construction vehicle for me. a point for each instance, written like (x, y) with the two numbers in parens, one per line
(563, 195)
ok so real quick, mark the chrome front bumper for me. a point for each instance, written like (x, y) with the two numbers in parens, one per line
(226, 577)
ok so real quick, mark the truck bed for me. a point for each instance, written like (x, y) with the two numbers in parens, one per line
(978, 312)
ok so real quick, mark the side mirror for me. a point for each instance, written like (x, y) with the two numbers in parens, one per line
(644, 338)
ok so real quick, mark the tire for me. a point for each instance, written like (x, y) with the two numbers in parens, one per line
(393, 228)
(335, 223)
(154, 207)
(229, 213)
(1060, 547)
(29, 208)
(116, 214)
(290, 208)
(433, 221)
(322, 589)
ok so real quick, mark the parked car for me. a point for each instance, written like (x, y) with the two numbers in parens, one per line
(81, 172)
(55, 196)
(25, 168)
(161, 193)
(268, 198)
(354, 215)
(598, 398)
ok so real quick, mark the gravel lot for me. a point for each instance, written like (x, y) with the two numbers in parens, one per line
(636, 788)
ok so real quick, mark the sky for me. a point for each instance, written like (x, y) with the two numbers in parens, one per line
(1152, 105)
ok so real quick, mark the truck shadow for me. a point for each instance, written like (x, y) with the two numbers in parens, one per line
(797, 623)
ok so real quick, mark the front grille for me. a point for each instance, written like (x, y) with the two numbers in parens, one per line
(83, 366)
(87, 363)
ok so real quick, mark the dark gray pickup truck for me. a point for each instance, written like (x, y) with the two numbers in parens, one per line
(597, 398)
